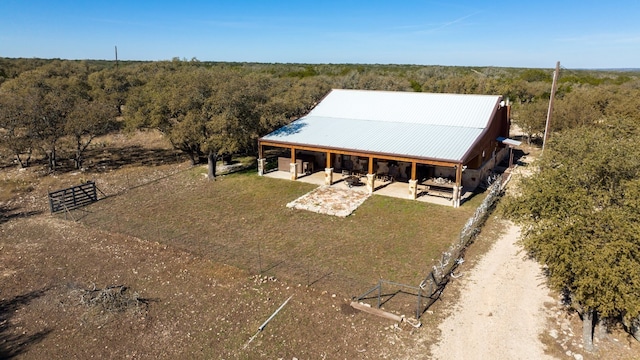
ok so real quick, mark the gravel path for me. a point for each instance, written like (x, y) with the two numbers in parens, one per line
(501, 312)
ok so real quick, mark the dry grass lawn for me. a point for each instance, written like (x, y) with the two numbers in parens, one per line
(209, 262)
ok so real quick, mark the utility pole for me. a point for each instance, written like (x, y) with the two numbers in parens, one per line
(554, 86)
(116, 57)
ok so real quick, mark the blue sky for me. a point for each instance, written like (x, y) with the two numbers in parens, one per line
(579, 34)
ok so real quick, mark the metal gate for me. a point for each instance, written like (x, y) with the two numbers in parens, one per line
(73, 197)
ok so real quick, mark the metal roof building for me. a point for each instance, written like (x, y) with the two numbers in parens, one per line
(445, 130)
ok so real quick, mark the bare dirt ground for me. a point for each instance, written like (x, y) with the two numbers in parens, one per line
(178, 305)
(502, 308)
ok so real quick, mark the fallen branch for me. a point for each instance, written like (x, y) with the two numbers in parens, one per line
(114, 298)
(377, 312)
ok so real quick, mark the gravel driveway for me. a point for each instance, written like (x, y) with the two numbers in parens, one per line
(501, 311)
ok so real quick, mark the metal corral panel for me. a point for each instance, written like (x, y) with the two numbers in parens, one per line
(409, 107)
(412, 140)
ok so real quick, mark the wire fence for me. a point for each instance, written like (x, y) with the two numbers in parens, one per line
(263, 258)
(256, 256)
(432, 285)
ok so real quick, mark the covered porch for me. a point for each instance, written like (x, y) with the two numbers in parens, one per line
(385, 188)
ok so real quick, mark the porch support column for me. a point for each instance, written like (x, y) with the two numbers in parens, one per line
(328, 176)
(328, 171)
(293, 167)
(457, 189)
(261, 160)
(454, 199)
(413, 188)
(371, 178)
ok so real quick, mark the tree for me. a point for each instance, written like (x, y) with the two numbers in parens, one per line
(15, 133)
(580, 217)
(50, 103)
(580, 107)
(289, 99)
(204, 113)
(87, 120)
(531, 117)
(172, 101)
(534, 75)
(111, 86)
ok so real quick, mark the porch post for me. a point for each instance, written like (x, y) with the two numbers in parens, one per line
(457, 189)
(454, 199)
(261, 160)
(413, 188)
(293, 167)
(328, 171)
(371, 178)
(328, 176)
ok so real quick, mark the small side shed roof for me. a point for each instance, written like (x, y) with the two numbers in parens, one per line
(417, 125)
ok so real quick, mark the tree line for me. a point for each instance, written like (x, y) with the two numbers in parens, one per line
(208, 109)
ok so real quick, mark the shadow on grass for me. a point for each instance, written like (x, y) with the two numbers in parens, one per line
(111, 158)
(9, 213)
(76, 214)
(325, 275)
(11, 344)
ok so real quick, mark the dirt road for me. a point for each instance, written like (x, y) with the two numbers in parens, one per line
(501, 311)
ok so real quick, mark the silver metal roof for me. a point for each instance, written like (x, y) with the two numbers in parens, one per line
(508, 141)
(424, 125)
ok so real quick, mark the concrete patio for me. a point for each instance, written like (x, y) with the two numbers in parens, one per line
(395, 189)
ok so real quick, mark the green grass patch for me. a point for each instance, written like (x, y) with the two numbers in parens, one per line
(241, 219)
